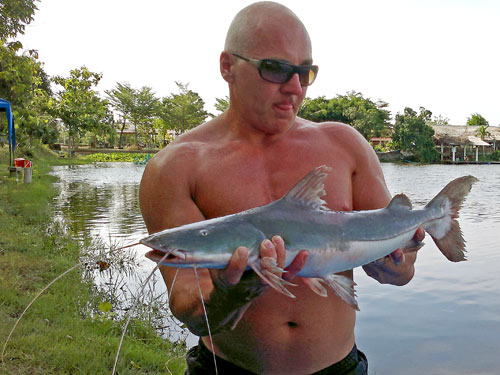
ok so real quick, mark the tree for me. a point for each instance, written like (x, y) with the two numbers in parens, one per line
(476, 119)
(122, 99)
(25, 85)
(412, 134)
(222, 104)
(370, 118)
(182, 111)
(78, 105)
(145, 109)
(482, 131)
(138, 106)
(439, 121)
(14, 16)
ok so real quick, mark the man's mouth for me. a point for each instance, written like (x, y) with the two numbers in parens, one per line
(284, 106)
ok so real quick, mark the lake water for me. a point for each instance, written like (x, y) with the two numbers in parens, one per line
(445, 321)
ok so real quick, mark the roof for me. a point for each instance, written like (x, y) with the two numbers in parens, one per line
(464, 135)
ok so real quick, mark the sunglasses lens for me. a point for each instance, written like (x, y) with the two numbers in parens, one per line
(307, 76)
(280, 72)
(275, 71)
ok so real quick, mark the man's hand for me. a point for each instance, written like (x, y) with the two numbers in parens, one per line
(396, 268)
(274, 248)
(234, 289)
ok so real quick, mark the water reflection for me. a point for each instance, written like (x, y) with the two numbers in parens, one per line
(99, 202)
(447, 320)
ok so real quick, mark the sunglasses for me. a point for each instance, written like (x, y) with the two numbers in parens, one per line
(276, 71)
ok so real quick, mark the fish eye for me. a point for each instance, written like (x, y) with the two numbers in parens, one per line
(204, 232)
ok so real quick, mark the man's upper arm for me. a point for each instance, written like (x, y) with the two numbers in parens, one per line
(369, 187)
(165, 196)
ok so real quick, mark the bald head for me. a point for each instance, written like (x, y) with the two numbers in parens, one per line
(257, 24)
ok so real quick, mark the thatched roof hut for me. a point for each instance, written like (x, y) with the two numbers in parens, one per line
(455, 135)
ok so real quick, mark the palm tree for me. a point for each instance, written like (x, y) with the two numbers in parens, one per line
(482, 132)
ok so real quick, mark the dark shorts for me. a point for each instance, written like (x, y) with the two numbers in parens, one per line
(200, 361)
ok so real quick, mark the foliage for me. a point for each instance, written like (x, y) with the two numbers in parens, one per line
(495, 155)
(139, 107)
(144, 112)
(183, 111)
(439, 121)
(412, 134)
(14, 16)
(476, 119)
(23, 83)
(56, 336)
(482, 131)
(122, 99)
(222, 104)
(118, 156)
(370, 118)
(79, 106)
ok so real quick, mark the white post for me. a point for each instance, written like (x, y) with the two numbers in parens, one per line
(442, 152)
(477, 153)
(465, 151)
(453, 150)
(28, 175)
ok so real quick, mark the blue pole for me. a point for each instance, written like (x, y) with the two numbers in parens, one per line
(4, 104)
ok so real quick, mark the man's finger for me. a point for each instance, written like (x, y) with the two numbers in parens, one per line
(279, 246)
(297, 264)
(267, 249)
(419, 234)
(231, 275)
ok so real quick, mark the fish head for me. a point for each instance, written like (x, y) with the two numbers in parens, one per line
(208, 243)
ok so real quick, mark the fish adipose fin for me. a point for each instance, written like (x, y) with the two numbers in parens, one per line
(309, 190)
(400, 201)
(446, 231)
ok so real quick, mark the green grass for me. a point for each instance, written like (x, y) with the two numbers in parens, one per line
(57, 335)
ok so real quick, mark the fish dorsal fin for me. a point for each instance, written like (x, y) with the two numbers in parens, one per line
(309, 190)
(400, 201)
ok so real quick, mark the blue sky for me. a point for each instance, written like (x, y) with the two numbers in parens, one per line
(443, 55)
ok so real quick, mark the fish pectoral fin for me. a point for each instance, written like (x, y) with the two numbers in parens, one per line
(271, 279)
(241, 312)
(343, 287)
(315, 285)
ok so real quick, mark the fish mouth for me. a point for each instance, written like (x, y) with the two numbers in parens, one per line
(169, 256)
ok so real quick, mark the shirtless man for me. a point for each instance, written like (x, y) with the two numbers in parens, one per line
(249, 156)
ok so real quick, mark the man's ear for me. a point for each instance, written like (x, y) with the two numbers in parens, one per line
(226, 63)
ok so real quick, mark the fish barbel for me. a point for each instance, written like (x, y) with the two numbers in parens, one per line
(336, 240)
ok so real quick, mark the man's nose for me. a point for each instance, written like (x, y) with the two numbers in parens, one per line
(293, 85)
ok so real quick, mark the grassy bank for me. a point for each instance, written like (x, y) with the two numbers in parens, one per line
(58, 335)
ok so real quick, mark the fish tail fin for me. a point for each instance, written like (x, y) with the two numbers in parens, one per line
(446, 231)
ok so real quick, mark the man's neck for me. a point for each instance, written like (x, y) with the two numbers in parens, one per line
(256, 134)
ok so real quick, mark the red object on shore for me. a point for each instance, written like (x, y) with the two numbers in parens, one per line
(19, 162)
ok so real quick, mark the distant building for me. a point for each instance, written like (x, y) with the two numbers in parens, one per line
(462, 142)
(456, 142)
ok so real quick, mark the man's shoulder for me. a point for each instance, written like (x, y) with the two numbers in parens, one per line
(335, 131)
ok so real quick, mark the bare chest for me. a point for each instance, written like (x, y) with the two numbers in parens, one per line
(234, 180)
